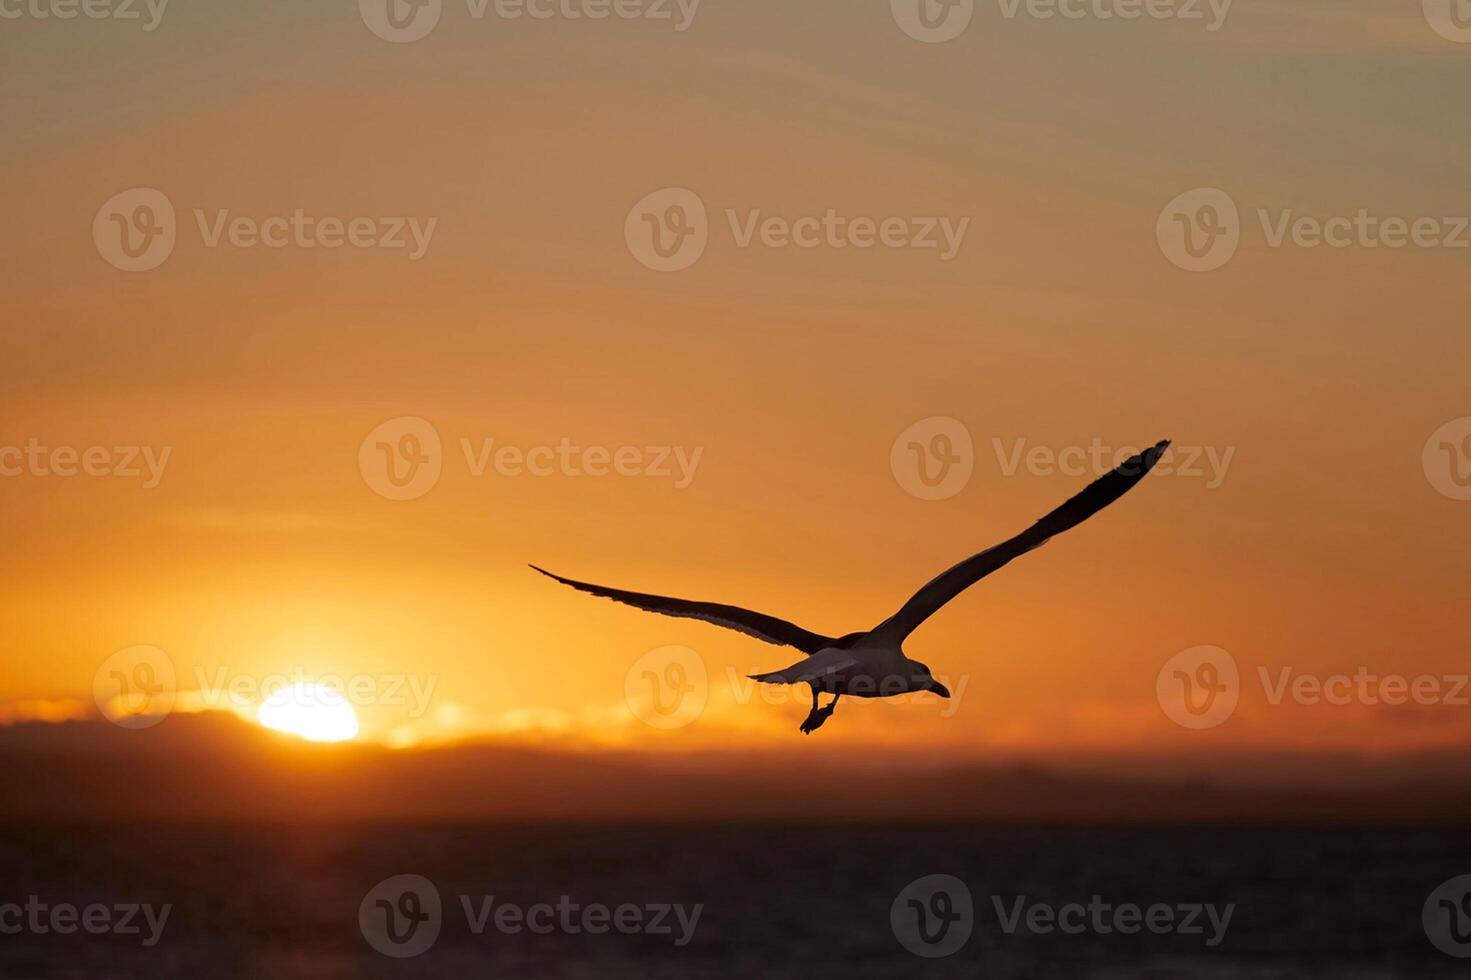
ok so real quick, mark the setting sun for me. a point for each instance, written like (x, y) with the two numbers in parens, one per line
(310, 711)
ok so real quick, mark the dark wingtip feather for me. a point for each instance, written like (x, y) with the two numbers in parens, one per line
(1144, 462)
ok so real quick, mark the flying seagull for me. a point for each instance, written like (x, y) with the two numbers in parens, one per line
(872, 664)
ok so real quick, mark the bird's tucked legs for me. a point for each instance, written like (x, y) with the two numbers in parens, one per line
(818, 715)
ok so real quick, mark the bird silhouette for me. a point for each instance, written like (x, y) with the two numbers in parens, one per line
(871, 663)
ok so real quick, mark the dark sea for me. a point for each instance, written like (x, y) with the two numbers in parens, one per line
(738, 901)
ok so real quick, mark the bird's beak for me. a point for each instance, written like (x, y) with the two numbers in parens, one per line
(940, 689)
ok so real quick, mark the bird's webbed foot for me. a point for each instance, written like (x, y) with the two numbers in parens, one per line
(817, 716)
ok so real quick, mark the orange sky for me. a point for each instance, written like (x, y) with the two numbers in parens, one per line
(262, 551)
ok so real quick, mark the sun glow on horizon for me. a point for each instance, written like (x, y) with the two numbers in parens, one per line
(309, 711)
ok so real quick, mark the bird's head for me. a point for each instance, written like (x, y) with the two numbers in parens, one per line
(925, 681)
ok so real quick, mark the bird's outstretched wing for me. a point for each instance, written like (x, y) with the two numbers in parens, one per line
(946, 586)
(762, 627)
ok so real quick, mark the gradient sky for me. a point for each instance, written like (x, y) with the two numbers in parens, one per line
(262, 550)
